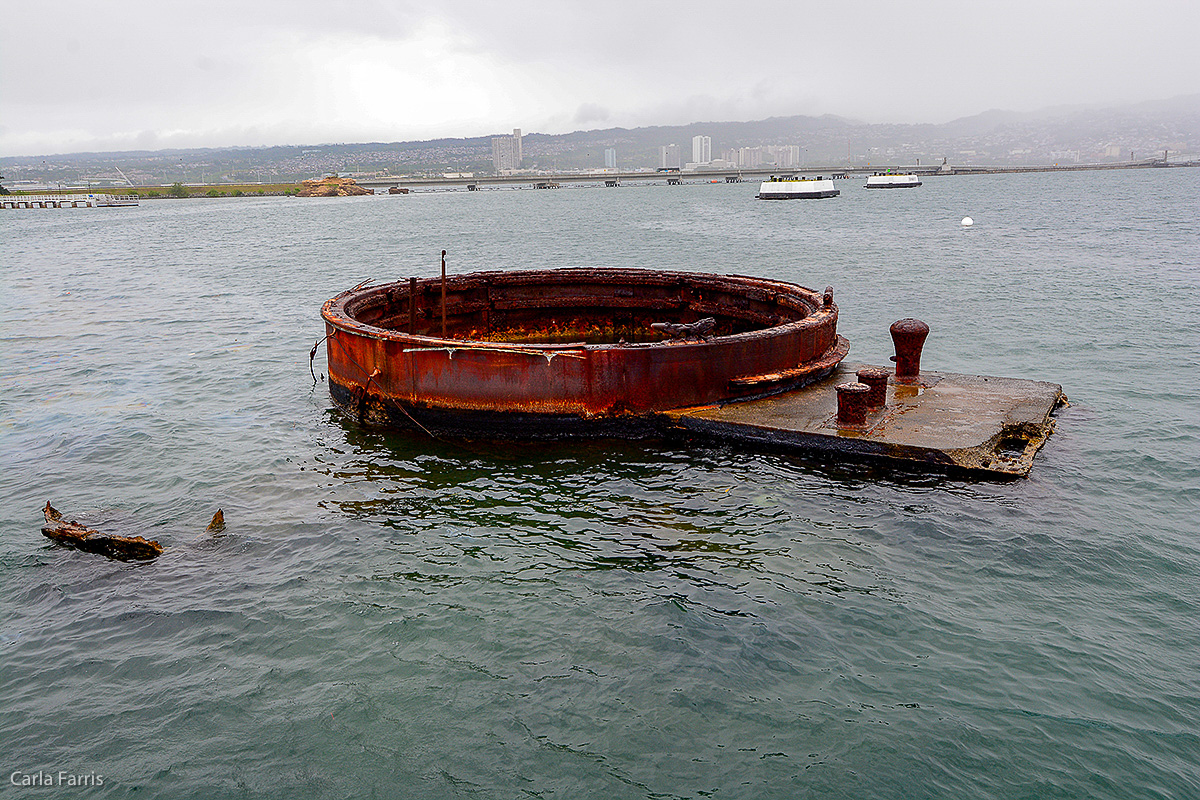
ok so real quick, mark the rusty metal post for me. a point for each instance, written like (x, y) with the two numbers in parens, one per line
(908, 335)
(412, 305)
(852, 404)
(877, 379)
(443, 294)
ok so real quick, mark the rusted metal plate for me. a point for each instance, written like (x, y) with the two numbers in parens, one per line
(573, 343)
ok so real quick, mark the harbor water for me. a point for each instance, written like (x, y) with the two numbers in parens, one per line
(391, 615)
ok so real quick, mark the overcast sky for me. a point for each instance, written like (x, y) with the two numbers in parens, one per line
(79, 75)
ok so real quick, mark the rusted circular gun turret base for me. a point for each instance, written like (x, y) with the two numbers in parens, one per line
(507, 353)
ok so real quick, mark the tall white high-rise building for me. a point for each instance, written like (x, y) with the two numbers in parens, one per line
(747, 157)
(669, 157)
(506, 151)
(502, 153)
(610, 158)
(787, 156)
(701, 149)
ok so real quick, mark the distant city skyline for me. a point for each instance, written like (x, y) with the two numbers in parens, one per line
(267, 73)
(1144, 131)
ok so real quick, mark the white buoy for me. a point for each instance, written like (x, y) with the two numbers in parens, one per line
(967, 222)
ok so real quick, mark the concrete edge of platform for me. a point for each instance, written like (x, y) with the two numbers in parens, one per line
(979, 462)
(1006, 449)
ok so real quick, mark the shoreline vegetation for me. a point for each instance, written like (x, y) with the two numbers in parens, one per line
(183, 191)
(179, 191)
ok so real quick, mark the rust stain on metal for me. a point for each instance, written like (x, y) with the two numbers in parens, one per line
(443, 294)
(572, 344)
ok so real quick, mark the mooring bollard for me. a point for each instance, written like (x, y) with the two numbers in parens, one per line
(877, 379)
(852, 404)
(908, 335)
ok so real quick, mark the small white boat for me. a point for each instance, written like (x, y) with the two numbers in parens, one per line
(892, 181)
(796, 188)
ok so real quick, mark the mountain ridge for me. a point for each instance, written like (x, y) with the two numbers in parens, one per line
(1081, 133)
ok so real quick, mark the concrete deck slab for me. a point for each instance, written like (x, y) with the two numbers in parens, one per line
(972, 423)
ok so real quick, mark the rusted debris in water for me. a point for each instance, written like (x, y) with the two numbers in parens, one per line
(80, 537)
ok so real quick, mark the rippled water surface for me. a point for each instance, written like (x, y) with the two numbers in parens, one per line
(392, 616)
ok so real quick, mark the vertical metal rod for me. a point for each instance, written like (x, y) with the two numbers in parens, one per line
(412, 305)
(443, 294)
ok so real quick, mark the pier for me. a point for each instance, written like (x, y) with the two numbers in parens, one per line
(609, 179)
(67, 200)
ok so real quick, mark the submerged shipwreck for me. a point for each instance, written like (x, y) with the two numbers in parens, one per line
(570, 351)
(593, 352)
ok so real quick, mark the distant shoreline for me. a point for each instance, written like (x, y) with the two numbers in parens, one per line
(1152, 164)
(736, 175)
(707, 176)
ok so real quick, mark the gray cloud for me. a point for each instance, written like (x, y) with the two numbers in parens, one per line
(220, 73)
(589, 113)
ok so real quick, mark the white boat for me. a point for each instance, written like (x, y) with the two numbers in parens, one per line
(796, 188)
(892, 181)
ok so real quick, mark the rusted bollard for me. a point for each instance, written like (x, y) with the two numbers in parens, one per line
(852, 404)
(877, 379)
(908, 335)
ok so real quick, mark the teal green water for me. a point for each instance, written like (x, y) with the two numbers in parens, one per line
(391, 616)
